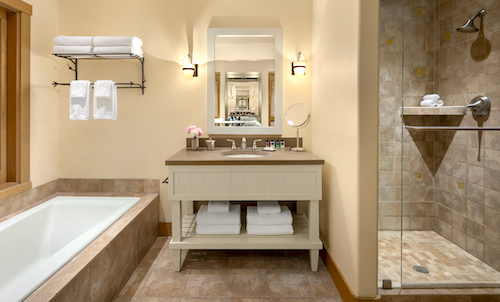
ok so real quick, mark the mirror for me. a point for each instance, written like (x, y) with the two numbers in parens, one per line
(298, 116)
(244, 92)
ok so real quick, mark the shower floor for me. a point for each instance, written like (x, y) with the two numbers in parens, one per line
(447, 263)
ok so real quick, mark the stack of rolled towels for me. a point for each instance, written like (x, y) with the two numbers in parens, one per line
(219, 217)
(431, 100)
(269, 218)
(101, 45)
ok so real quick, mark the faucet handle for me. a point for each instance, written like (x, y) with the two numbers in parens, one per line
(233, 146)
(254, 145)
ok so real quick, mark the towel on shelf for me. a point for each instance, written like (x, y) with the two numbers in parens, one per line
(282, 218)
(79, 100)
(218, 229)
(268, 207)
(73, 40)
(434, 97)
(136, 50)
(204, 217)
(105, 100)
(60, 49)
(117, 41)
(269, 229)
(431, 103)
(217, 206)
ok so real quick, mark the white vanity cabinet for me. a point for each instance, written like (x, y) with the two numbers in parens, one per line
(202, 175)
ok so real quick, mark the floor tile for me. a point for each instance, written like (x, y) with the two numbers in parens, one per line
(164, 282)
(135, 284)
(247, 283)
(322, 284)
(288, 283)
(202, 299)
(283, 262)
(206, 283)
(247, 262)
(158, 299)
(246, 299)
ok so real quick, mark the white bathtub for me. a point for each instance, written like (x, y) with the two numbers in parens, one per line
(38, 242)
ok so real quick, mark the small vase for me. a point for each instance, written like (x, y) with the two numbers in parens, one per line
(195, 143)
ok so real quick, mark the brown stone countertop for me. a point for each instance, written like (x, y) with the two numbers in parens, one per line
(216, 157)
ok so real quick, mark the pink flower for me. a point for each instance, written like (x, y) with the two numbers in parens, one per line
(200, 132)
(190, 128)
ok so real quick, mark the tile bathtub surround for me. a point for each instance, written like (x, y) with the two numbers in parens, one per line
(232, 276)
(100, 271)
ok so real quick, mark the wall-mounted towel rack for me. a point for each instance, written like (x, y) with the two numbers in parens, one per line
(73, 58)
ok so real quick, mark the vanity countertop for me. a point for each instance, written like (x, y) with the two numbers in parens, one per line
(278, 157)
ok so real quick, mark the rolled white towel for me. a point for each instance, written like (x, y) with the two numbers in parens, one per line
(269, 229)
(434, 97)
(217, 206)
(136, 50)
(282, 218)
(117, 41)
(268, 207)
(431, 103)
(439, 103)
(73, 40)
(59, 49)
(218, 229)
(204, 217)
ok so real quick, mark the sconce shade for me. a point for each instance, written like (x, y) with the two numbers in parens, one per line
(188, 68)
(299, 65)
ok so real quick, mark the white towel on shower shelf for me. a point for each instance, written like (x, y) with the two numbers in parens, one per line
(73, 40)
(135, 50)
(60, 49)
(218, 229)
(282, 218)
(269, 229)
(204, 217)
(433, 96)
(79, 100)
(217, 206)
(105, 100)
(116, 41)
(431, 103)
(268, 207)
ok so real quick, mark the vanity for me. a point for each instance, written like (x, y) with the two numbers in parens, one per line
(245, 175)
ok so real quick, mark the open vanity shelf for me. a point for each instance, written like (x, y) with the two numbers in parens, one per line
(110, 56)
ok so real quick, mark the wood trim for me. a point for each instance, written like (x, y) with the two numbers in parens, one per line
(339, 280)
(164, 229)
(13, 189)
(17, 6)
(13, 45)
(24, 100)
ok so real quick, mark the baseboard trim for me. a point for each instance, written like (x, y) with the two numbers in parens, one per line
(164, 229)
(339, 280)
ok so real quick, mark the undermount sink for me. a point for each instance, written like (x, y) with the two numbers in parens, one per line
(243, 153)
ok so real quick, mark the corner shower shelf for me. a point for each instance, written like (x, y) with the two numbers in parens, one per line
(109, 56)
(443, 110)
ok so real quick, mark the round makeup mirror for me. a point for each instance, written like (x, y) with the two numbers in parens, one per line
(297, 116)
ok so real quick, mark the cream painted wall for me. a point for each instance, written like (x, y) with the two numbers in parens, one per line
(345, 90)
(44, 127)
(151, 128)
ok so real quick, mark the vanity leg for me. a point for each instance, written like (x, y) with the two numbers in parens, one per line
(314, 258)
(177, 254)
(189, 207)
(176, 221)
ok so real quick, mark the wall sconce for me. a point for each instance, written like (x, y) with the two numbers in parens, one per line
(299, 65)
(189, 69)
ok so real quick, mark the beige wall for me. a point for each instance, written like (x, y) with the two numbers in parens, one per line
(44, 161)
(344, 133)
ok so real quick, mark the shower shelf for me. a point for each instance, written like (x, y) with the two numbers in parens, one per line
(451, 128)
(110, 56)
(443, 110)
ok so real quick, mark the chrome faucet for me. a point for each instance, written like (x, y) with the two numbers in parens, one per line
(233, 145)
(254, 145)
(243, 143)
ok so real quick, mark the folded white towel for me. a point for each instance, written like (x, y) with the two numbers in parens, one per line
(79, 100)
(73, 40)
(434, 97)
(215, 206)
(269, 229)
(105, 100)
(268, 207)
(218, 229)
(59, 49)
(284, 217)
(204, 217)
(117, 41)
(431, 103)
(136, 50)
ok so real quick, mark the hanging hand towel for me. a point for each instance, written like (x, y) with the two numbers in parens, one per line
(73, 40)
(79, 100)
(268, 207)
(269, 229)
(118, 50)
(215, 206)
(284, 217)
(117, 41)
(84, 50)
(218, 229)
(105, 100)
(204, 217)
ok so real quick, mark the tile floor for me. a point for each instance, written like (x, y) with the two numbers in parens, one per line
(228, 276)
(446, 262)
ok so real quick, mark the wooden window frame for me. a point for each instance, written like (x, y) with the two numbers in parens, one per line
(18, 97)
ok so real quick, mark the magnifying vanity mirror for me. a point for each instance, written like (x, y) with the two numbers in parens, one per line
(298, 116)
(244, 78)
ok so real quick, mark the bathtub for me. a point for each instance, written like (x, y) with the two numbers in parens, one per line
(38, 242)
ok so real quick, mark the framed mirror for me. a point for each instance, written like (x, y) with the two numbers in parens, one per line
(244, 78)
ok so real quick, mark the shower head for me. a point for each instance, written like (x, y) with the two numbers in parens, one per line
(469, 26)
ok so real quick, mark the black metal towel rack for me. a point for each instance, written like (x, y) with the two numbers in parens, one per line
(73, 58)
